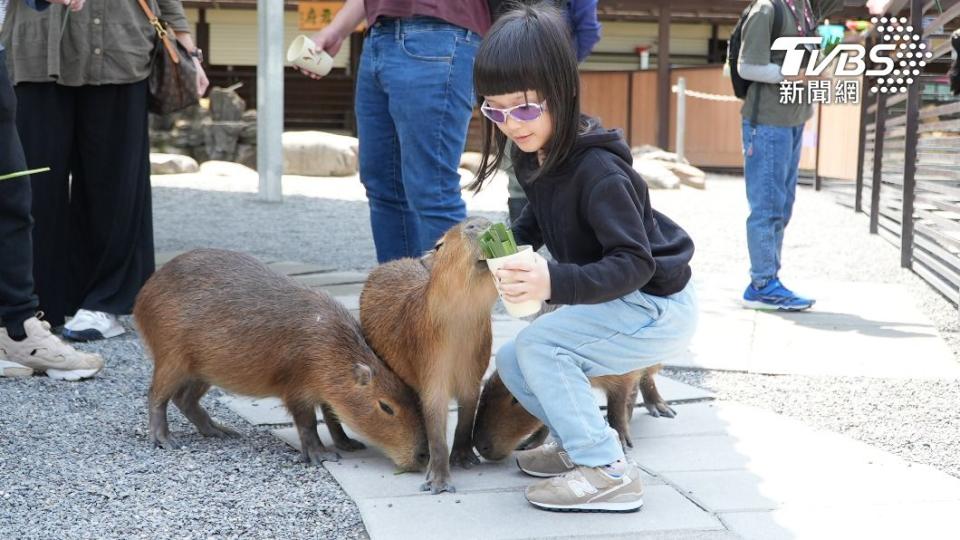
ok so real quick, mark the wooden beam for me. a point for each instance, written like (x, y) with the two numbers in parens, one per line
(663, 76)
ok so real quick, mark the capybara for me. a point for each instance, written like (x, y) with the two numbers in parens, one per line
(503, 425)
(429, 319)
(213, 317)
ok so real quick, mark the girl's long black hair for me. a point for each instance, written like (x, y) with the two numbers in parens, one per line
(529, 48)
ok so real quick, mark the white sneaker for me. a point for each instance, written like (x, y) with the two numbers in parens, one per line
(43, 351)
(92, 325)
(13, 369)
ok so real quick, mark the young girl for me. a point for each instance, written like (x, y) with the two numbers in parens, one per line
(621, 272)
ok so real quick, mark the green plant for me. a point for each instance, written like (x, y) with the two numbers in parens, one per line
(498, 241)
(23, 173)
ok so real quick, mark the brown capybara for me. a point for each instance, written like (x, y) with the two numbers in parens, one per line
(503, 425)
(429, 319)
(213, 317)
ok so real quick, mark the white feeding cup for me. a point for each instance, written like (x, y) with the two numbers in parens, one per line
(304, 54)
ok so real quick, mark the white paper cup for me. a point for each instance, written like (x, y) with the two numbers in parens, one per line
(304, 54)
(515, 309)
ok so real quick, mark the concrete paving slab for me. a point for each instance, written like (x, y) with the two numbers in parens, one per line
(894, 521)
(164, 257)
(350, 301)
(258, 411)
(507, 515)
(375, 477)
(295, 268)
(855, 329)
(327, 279)
(350, 289)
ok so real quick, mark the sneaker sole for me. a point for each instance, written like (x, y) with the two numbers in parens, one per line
(91, 335)
(71, 375)
(15, 372)
(536, 474)
(763, 306)
(601, 507)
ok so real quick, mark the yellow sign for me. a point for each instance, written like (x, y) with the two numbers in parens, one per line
(317, 15)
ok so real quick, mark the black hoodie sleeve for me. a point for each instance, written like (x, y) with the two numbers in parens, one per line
(526, 230)
(614, 210)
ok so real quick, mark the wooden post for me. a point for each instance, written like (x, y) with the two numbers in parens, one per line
(910, 154)
(878, 162)
(663, 77)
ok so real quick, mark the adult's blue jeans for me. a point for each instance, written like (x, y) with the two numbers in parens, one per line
(548, 366)
(771, 162)
(414, 100)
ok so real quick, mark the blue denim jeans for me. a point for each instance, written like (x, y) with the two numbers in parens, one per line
(548, 366)
(771, 162)
(414, 100)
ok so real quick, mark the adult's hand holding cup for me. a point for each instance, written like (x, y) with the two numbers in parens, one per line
(304, 54)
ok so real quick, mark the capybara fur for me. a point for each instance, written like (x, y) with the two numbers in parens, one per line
(212, 317)
(503, 425)
(429, 319)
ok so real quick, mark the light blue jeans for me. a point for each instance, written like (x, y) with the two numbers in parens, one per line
(770, 165)
(547, 368)
(414, 101)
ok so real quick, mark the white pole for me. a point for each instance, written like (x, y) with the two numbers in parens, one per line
(270, 99)
(681, 115)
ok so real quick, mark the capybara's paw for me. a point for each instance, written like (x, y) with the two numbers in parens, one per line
(660, 408)
(625, 442)
(317, 457)
(349, 445)
(436, 487)
(464, 457)
(220, 431)
(167, 442)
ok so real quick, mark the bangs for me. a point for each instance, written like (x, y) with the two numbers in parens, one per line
(525, 50)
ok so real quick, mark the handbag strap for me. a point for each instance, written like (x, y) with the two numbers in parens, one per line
(161, 31)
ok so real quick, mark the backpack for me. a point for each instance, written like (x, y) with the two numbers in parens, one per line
(741, 85)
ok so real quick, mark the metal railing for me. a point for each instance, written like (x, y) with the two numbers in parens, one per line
(909, 164)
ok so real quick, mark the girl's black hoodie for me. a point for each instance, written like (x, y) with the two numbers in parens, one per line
(593, 213)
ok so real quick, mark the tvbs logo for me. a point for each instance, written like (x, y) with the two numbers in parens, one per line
(898, 58)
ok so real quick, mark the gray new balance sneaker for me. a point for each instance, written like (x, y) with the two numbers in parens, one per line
(589, 489)
(544, 461)
(43, 351)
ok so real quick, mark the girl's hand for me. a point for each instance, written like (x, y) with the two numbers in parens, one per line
(74, 5)
(522, 281)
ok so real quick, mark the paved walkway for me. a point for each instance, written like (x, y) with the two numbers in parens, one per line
(718, 470)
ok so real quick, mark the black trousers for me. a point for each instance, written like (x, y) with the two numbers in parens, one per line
(17, 299)
(93, 236)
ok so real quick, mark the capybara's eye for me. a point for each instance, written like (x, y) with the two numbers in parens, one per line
(513, 401)
(386, 408)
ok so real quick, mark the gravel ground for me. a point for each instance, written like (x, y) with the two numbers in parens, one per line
(75, 461)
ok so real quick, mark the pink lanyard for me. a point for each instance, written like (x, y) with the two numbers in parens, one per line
(807, 17)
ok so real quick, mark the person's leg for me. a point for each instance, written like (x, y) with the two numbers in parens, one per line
(560, 351)
(395, 229)
(45, 124)
(509, 370)
(767, 152)
(428, 74)
(111, 217)
(790, 186)
(17, 299)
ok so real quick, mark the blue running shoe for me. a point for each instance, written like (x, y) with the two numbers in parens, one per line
(774, 297)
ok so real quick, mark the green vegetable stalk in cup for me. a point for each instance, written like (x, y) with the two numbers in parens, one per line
(497, 242)
(11, 176)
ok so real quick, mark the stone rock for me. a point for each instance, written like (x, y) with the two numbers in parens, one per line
(688, 174)
(316, 153)
(248, 135)
(471, 161)
(247, 155)
(226, 105)
(226, 168)
(638, 151)
(656, 174)
(172, 164)
(660, 155)
(220, 139)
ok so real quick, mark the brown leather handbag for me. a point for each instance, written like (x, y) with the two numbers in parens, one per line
(173, 76)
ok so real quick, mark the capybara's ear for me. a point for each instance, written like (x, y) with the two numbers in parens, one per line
(362, 374)
(427, 259)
